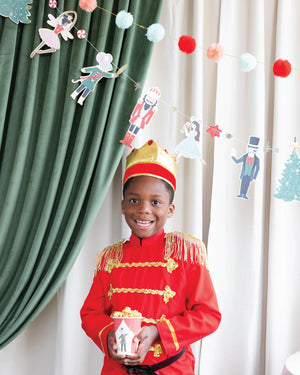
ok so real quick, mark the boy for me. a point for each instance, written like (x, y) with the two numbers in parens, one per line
(162, 276)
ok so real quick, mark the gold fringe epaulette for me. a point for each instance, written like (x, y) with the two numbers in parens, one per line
(107, 258)
(182, 246)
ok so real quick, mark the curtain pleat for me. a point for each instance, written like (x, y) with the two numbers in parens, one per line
(57, 158)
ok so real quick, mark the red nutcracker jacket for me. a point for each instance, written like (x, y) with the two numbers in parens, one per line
(165, 278)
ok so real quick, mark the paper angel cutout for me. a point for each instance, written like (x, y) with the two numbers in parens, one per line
(142, 114)
(62, 25)
(189, 147)
(250, 166)
(96, 73)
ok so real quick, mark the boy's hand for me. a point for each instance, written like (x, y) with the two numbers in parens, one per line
(147, 335)
(113, 348)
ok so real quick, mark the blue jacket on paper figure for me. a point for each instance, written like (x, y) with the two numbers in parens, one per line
(250, 166)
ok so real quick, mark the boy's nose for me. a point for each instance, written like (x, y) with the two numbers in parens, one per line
(144, 207)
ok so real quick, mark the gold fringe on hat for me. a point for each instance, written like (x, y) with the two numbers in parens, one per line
(109, 257)
(183, 246)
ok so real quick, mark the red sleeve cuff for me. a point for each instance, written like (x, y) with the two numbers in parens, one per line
(168, 337)
(103, 337)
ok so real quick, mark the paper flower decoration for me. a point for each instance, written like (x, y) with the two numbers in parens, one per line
(155, 32)
(88, 5)
(282, 68)
(124, 19)
(215, 52)
(187, 44)
(247, 62)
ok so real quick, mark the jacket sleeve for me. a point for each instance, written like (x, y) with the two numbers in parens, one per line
(201, 317)
(95, 322)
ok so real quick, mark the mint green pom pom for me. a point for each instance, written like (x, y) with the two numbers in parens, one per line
(155, 32)
(247, 62)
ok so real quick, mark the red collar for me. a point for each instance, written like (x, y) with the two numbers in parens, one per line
(150, 241)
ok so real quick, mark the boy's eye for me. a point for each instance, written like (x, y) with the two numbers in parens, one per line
(156, 202)
(133, 200)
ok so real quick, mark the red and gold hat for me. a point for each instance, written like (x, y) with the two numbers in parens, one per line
(151, 160)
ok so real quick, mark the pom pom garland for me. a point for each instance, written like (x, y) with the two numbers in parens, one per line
(155, 32)
(215, 52)
(247, 62)
(187, 44)
(282, 68)
(124, 19)
(88, 5)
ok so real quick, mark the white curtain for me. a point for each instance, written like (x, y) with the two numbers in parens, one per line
(253, 245)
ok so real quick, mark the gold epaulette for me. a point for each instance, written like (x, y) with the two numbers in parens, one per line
(183, 246)
(109, 257)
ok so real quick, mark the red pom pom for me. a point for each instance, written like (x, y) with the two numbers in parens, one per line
(282, 68)
(187, 44)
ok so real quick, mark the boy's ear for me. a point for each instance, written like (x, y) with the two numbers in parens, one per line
(122, 207)
(171, 210)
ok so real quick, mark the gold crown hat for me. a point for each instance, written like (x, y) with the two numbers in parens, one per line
(151, 160)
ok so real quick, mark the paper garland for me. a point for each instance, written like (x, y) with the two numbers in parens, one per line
(62, 25)
(250, 166)
(89, 82)
(289, 188)
(142, 114)
(16, 10)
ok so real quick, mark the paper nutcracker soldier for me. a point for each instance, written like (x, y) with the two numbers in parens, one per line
(62, 25)
(96, 73)
(142, 114)
(250, 166)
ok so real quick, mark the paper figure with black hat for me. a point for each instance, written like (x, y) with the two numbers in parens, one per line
(250, 166)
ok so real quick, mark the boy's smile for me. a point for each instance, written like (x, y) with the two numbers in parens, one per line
(146, 205)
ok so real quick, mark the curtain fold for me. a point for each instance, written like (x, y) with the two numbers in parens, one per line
(57, 158)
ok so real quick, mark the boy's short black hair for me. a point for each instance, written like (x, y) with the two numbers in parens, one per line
(168, 187)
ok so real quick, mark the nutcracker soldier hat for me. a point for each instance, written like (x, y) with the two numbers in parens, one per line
(151, 160)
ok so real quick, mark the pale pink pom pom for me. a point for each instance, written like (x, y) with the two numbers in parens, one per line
(88, 5)
(215, 52)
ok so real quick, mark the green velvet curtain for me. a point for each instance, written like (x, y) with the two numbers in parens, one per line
(57, 158)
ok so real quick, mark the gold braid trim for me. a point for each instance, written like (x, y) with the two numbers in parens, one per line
(182, 246)
(109, 257)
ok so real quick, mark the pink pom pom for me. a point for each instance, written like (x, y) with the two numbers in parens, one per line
(215, 52)
(88, 5)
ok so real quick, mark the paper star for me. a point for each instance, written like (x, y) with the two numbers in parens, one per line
(137, 86)
(267, 147)
(214, 131)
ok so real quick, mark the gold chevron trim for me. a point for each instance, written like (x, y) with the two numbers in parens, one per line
(167, 293)
(170, 265)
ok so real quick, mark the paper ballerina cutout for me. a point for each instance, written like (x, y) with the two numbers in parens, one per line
(96, 73)
(250, 166)
(62, 25)
(189, 147)
(142, 114)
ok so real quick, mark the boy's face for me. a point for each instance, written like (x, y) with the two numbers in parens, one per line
(146, 206)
